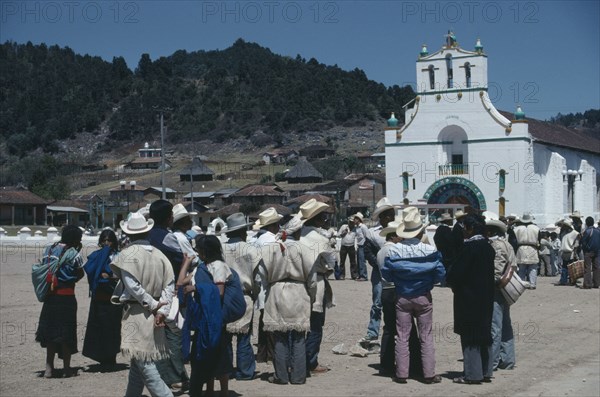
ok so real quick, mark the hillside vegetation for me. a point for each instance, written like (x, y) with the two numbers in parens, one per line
(51, 93)
(53, 100)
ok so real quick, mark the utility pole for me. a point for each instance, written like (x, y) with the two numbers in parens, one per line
(162, 149)
(192, 184)
(162, 157)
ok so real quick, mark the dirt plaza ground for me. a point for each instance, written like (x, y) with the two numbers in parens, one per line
(557, 343)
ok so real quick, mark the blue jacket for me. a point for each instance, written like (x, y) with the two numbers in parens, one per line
(414, 276)
(590, 240)
(167, 243)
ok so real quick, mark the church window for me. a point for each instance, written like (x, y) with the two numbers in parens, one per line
(414, 184)
(449, 70)
(468, 74)
(502, 206)
(431, 77)
(405, 181)
(502, 180)
(458, 167)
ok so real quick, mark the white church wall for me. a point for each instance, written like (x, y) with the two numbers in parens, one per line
(433, 115)
(550, 162)
(487, 159)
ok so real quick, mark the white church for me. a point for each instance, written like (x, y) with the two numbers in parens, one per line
(455, 147)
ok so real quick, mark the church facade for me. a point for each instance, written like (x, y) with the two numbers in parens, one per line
(455, 147)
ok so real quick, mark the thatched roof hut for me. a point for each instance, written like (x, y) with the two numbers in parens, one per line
(304, 172)
(197, 171)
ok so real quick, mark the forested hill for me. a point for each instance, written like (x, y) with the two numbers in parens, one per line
(51, 93)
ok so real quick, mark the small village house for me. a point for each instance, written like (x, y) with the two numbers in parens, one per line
(19, 206)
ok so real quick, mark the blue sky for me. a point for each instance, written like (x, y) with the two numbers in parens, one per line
(544, 55)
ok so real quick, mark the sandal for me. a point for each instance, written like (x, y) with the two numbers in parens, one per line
(433, 379)
(462, 380)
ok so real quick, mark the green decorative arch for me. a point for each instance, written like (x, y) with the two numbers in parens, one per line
(442, 189)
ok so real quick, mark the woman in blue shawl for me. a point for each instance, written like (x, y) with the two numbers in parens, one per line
(103, 332)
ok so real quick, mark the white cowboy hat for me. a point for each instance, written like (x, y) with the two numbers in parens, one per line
(566, 222)
(359, 216)
(512, 216)
(179, 212)
(526, 218)
(267, 217)
(459, 214)
(496, 223)
(136, 223)
(445, 217)
(575, 214)
(412, 224)
(311, 208)
(391, 228)
(382, 205)
(235, 222)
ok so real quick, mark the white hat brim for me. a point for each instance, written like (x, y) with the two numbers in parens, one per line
(225, 229)
(496, 223)
(269, 222)
(411, 233)
(321, 208)
(183, 215)
(127, 230)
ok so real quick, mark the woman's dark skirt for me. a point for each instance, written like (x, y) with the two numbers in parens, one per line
(58, 322)
(213, 366)
(102, 340)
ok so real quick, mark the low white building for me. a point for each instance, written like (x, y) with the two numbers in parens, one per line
(455, 147)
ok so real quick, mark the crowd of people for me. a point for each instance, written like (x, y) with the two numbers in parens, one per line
(170, 294)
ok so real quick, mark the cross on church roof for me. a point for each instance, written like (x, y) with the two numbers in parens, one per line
(451, 39)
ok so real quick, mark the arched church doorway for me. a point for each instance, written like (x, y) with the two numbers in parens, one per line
(456, 190)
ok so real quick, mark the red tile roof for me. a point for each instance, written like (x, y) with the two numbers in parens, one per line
(259, 190)
(558, 135)
(18, 195)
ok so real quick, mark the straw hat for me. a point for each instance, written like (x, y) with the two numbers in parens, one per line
(382, 205)
(512, 217)
(235, 222)
(311, 208)
(412, 224)
(565, 222)
(391, 228)
(526, 219)
(445, 217)
(459, 214)
(575, 214)
(496, 223)
(180, 212)
(266, 218)
(359, 216)
(136, 224)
